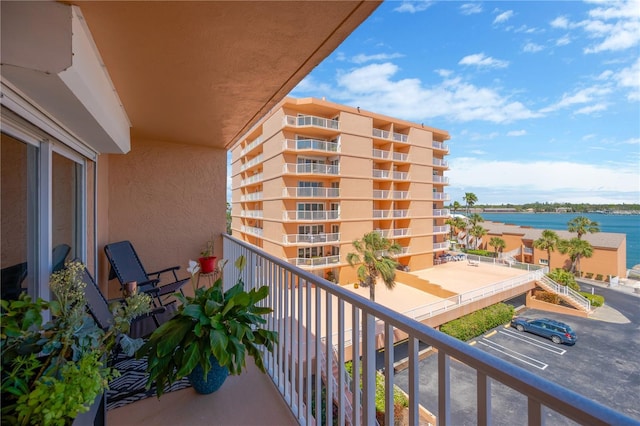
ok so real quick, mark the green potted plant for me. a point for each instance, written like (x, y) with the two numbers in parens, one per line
(53, 371)
(212, 332)
(207, 260)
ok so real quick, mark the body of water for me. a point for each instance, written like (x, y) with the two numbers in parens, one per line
(621, 224)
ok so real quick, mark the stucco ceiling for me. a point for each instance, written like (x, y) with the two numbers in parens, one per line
(204, 72)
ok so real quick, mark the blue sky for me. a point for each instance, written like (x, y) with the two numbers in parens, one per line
(541, 99)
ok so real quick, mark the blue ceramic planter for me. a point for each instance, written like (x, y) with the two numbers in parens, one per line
(212, 382)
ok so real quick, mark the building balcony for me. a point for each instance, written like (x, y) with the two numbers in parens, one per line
(380, 174)
(381, 214)
(380, 153)
(314, 262)
(441, 213)
(311, 169)
(400, 195)
(251, 230)
(400, 175)
(252, 179)
(439, 162)
(440, 179)
(305, 215)
(440, 146)
(443, 246)
(381, 194)
(399, 156)
(256, 214)
(394, 233)
(310, 145)
(247, 149)
(311, 121)
(310, 192)
(384, 134)
(254, 161)
(254, 196)
(440, 196)
(305, 239)
(444, 229)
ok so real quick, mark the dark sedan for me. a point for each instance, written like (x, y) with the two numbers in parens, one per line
(557, 331)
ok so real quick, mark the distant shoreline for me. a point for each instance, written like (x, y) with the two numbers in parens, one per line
(613, 212)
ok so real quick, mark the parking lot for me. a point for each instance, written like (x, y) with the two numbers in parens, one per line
(603, 365)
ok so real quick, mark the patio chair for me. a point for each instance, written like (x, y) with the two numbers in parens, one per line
(126, 267)
(58, 256)
(12, 278)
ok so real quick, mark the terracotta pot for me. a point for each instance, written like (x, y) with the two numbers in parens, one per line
(207, 264)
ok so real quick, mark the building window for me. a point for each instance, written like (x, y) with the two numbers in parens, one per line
(544, 262)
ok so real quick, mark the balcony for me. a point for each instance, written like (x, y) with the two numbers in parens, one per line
(253, 179)
(400, 175)
(380, 174)
(441, 246)
(257, 141)
(314, 262)
(323, 322)
(441, 213)
(440, 179)
(394, 233)
(380, 153)
(440, 196)
(439, 162)
(311, 121)
(440, 146)
(251, 230)
(254, 196)
(381, 194)
(382, 214)
(399, 156)
(400, 195)
(311, 238)
(310, 192)
(256, 214)
(310, 145)
(306, 215)
(255, 160)
(444, 229)
(311, 169)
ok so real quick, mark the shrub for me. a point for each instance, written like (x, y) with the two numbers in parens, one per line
(589, 275)
(565, 278)
(545, 296)
(485, 253)
(599, 277)
(399, 398)
(476, 323)
(595, 299)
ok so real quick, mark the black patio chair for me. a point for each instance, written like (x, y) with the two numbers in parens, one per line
(126, 267)
(12, 278)
(58, 256)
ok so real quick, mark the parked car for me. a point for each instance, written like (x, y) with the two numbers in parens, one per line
(557, 331)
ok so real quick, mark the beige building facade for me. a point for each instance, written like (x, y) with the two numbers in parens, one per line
(312, 176)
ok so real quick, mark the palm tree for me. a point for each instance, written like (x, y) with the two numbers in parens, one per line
(582, 225)
(477, 231)
(470, 199)
(498, 244)
(455, 206)
(372, 254)
(474, 220)
(456, 224)
(576, 249)
(548, 242)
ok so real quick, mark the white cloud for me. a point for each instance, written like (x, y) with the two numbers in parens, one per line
(470, 8)
(532, 47)
(543, 181)
(560, 22)
(592, 108)
(583, 96)
(629, 78)
(373, 87)
(563, 41)
(362, 58)
(413, 6)
(481, 60)
(517, 133)
(503, 17)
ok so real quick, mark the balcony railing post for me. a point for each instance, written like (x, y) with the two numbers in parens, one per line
(388, 374)
(355, 366)
(414, 382)
(368, 368)
(444, 387)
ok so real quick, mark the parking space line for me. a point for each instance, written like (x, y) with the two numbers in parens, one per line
(509, 352)
(551, 347)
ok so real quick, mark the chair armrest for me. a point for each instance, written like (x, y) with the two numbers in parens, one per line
(162, 271)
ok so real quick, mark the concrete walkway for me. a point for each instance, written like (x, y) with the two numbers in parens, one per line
(606, 313)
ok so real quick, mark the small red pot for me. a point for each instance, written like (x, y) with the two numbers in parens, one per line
(207, 264)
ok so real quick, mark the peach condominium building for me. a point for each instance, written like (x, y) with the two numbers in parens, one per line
(312, 176)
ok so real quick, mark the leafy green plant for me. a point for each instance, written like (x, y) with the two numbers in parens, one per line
(548, 297)
(226, 325)
(599, 277)
(596, 300)
(476, 323)
(399, 398)
(565, 278)
(53, 371)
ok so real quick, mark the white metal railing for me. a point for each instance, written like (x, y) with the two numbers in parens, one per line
(440, 145)
(252, 179)
(255, 160)
(381, 194)
(252, 196)
(440, 196)
(567, 291)
(251, 230)
(312, 315)
(399, 137)
(252, 213)
(310, 192)
(302, 215)
(311, 120)
(400, 213)
(379, 153)
(400, 195)
(311, 168)
(441, 246)
(381, 174)
(382, 213)
(393, 233)
(400, 156)
(441, 212)
(440, 162)
(311, 144)
(443, 229)
(314, 262)
(310, 238)
(400, 175)
(440, 179)
(257, 141)
(382, 134)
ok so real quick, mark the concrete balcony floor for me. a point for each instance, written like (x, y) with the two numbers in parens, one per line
(248, 399)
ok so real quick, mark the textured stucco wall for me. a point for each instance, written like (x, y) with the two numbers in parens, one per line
(167, 199)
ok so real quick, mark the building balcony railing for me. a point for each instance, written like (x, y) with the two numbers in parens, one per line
(311, 168)
(251, 230)
(381, 194)
(441, 212)
(257, 214)
(310, 192)
(444, 229)
(442, 196)
(382, 213)
(440, 179)
(257, 141)
(311, 120)
(399, 156)
(440, 146)
(400, 213)
(400, 175)
(304, 215)
(380, 153)
(439, 162)
(321, 325)
(393, 233)
(314, 262)
(399, 137)
(380, 174)
(400, 195)
(384, 134)
(311, 238)
(443, 246)
(310, 145)
(255, 160)
(252, 179)
(254, 196)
